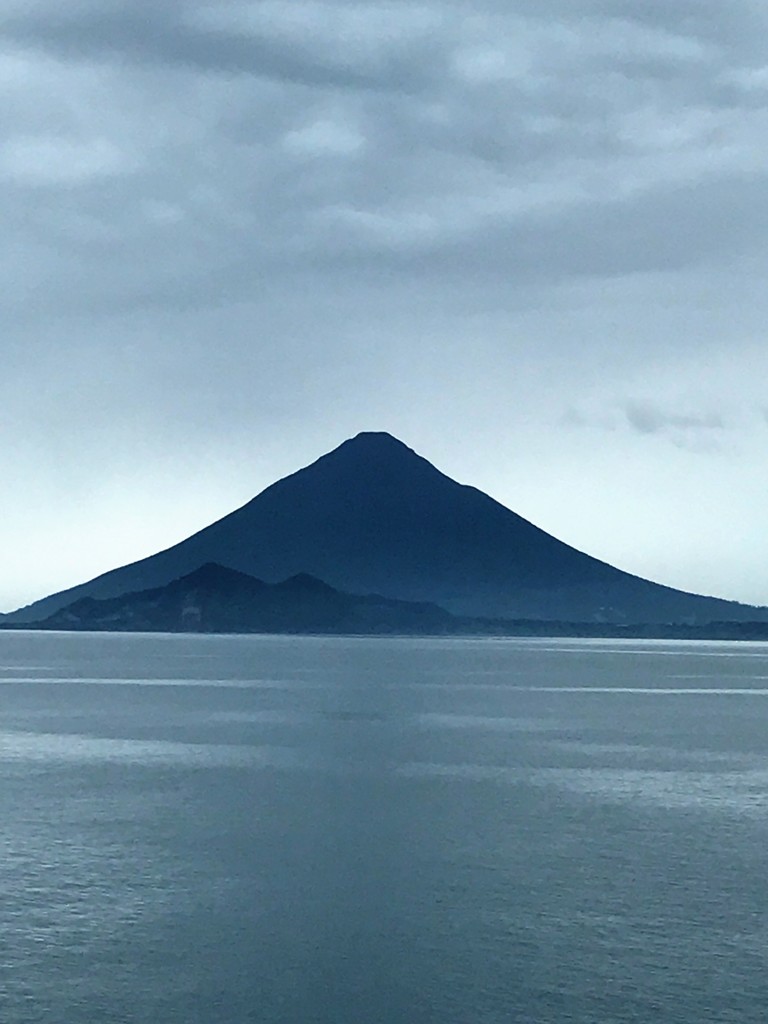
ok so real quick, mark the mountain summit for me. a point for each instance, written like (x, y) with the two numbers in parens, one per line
(372, 516)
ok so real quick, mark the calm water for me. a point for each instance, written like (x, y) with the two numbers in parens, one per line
(224, 830)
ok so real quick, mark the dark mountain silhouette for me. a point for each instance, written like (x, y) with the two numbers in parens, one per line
(214, 599)
(372, 516)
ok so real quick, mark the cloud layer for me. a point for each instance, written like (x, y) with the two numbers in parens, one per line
(234, 139)
(235, 220)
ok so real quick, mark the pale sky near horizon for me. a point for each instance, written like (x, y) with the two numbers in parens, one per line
(526, 237)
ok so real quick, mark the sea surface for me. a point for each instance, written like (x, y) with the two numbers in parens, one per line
(221, 830)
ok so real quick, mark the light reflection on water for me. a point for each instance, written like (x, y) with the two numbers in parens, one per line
(77, 749)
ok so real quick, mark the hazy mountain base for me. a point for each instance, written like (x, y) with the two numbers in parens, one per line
(215, 599)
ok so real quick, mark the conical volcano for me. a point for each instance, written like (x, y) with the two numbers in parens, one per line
(372, 516)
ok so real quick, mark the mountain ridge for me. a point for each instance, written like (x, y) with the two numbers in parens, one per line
(216, 599)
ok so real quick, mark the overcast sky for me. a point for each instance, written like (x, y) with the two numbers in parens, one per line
(528, 237)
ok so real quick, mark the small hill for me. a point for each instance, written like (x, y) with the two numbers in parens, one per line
(214, 599)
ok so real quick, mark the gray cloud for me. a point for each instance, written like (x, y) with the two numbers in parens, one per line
(297, 44)
(695, 430)
(646, 418)
(390, 137)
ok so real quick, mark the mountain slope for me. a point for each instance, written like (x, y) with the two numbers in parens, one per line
(372, 516)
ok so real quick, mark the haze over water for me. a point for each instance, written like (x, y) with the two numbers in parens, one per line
(216, 830)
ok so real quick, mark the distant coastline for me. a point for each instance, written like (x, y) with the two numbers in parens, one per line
(217, 600)
(754, 632)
